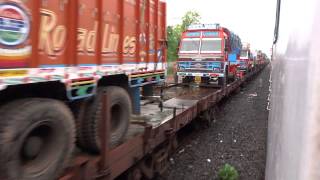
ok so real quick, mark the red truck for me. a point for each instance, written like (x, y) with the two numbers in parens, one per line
(261, 58)
(56, 59)
(208, 55)
(246, 60)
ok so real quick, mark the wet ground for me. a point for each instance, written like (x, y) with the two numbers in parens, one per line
(238, 138)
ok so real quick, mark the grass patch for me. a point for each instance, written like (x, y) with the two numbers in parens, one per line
(228, 172)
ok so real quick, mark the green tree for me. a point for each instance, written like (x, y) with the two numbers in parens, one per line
(174, 33)
(190, 18)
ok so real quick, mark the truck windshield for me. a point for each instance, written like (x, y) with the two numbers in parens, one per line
(190, 45)
(242, 63)
(244, 54)
(211, 45)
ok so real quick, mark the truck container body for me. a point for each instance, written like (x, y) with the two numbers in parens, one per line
(208, 54)
(39, 44)
(56, 60)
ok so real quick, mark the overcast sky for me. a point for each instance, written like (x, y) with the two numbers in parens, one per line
(252, 20)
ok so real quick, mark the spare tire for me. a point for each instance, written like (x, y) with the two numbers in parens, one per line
(120, 112)
(36, 139)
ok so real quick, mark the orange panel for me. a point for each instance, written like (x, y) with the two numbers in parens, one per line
(80, 32)
(53, 31)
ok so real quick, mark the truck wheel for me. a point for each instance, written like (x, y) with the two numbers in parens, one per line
(36, 139)
(120, 112)
(187, 80)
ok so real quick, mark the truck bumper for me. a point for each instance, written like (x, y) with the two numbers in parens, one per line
(198, 74)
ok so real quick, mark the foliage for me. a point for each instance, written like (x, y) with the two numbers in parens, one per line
(228, 172)
(174, 33)
(190, 18)
(173, 42)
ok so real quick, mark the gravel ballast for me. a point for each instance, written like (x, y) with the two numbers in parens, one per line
(238, 138)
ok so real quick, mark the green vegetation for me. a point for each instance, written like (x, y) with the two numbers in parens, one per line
(228, 172)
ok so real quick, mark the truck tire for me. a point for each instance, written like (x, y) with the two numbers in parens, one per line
(89, 125)
(187, 80)
(36, 139)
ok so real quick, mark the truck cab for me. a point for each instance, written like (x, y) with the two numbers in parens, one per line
(246, 60)
(204, 54)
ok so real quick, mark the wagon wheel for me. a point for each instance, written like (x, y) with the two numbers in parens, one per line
(209, 116)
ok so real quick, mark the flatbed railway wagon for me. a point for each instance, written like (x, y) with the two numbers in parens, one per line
(152, 136)
(56, 59)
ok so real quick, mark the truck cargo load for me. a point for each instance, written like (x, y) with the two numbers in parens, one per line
(97, 39)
